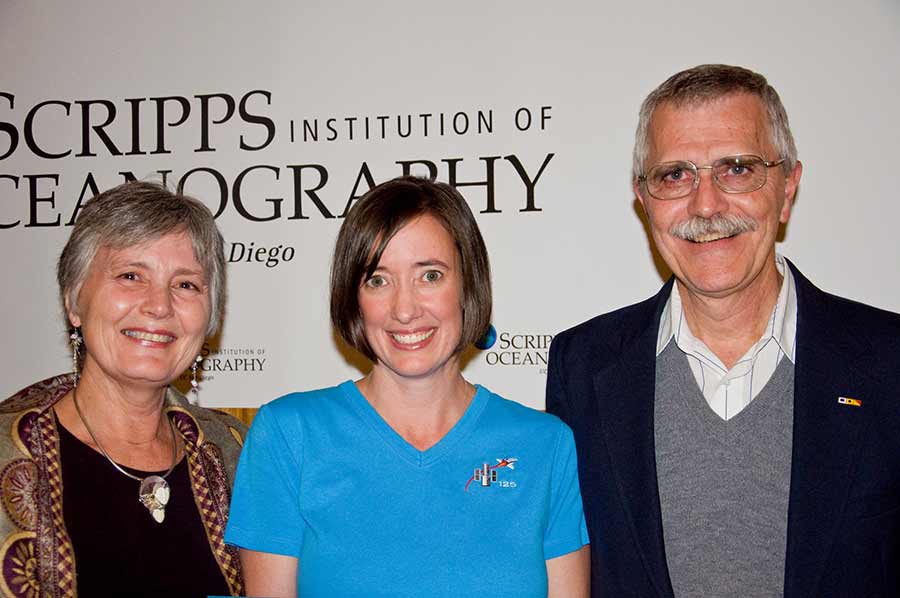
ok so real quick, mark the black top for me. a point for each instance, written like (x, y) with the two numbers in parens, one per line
(120, 550)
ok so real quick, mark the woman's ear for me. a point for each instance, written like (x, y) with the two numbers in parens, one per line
(73, 318)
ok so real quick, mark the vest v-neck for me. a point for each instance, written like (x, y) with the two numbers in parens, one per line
(414, 456)
(775, 397)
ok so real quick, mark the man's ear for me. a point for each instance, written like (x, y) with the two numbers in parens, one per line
(636, 185)
(791, 182)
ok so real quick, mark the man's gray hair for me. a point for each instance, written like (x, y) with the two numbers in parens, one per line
(709, 82)
(135, 213)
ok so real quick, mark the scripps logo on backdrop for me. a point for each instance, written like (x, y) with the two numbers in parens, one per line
(118, 140)
(238, 360)
(523, 349)
(223, 361)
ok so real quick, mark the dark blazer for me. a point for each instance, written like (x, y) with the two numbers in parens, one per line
(843, 534)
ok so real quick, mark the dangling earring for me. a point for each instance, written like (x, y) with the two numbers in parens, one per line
(195, 384)
(75, 340)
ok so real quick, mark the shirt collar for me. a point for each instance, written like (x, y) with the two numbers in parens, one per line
(782, 323)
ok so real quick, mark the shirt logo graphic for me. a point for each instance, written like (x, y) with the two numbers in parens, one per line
(487, 473)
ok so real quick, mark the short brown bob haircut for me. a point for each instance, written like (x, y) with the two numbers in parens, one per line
(370, 226)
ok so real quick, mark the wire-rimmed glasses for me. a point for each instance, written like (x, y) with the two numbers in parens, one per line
(732, 174)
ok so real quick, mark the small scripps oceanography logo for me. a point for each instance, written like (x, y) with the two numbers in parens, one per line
(487, 474)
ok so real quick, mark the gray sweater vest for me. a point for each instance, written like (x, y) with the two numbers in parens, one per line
(723, 486)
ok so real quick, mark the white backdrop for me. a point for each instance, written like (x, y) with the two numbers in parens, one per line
(583, 66)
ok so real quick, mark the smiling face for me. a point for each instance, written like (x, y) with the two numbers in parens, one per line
(143, 312)
(718, 266)
(410, 306)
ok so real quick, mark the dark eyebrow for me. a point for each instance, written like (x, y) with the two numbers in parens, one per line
(432, 263)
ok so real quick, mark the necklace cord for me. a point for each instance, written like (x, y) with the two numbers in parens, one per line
(108, 458)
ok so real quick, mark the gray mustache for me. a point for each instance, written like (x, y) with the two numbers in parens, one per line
(726, 225)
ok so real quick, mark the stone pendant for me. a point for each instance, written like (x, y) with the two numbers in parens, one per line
(154, 494)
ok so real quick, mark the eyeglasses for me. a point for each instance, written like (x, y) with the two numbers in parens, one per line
(732, 174)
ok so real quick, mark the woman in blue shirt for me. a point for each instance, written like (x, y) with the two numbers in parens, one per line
(410, 481)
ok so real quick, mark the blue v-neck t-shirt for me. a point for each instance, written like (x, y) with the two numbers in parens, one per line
(322, 477)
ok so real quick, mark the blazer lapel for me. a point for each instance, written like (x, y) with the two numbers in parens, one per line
(625, 394)
(826, 439)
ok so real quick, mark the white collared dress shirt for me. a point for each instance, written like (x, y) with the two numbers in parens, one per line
(728, 392)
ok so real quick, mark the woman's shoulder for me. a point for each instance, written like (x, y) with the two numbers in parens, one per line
(521, 416)
(18, 415)
(39, 395)
(310, 401)
(211, 424)
(210, 417)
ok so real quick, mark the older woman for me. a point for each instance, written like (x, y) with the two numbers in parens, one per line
(410, 481)
(112, 482)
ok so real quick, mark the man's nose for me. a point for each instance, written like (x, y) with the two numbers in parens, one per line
(708, 199)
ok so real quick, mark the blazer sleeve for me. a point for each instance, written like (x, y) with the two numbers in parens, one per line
(556, 399)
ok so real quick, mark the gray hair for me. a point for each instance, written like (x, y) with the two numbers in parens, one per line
(709, 82)
(135, 213)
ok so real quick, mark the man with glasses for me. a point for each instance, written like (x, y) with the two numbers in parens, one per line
(739, 433)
